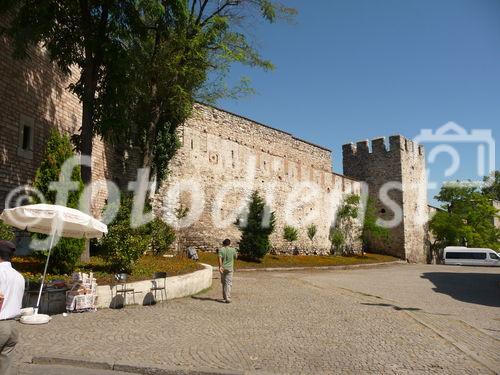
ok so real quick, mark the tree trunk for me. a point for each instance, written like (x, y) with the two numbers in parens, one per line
(148, 157)
(87, 130)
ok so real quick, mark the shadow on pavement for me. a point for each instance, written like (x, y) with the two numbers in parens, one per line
(208, 299)
(393, 306)
(478, 288)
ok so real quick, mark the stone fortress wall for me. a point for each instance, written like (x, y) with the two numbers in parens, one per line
(220, 149)
(34, 99)
(402, 164)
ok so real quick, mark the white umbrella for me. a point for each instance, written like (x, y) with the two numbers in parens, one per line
(56, 221)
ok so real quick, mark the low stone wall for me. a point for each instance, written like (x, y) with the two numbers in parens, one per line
(176, 287)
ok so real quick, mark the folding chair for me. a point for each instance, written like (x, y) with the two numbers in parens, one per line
(159, 284)
(121, 288)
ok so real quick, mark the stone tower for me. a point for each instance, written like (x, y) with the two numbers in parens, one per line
(399, 171)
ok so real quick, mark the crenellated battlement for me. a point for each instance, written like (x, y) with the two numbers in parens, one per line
(401, 161)
(378, 146)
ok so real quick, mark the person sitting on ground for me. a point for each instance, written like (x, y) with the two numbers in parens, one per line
(11, 298)
(226, 256)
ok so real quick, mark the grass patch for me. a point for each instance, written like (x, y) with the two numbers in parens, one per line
(271, 261)
(32, 268)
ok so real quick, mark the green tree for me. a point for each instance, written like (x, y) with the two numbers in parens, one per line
(6, 232)
(492, 186)
(290, 234)
(343, 233)
(162, 236)
(254, 243)
(83, 34)
(181, 52)
(123, 245)
(372, 232)
(58, 149)
(467, 219)
(311, 233)
(141, 63)
(337, 240)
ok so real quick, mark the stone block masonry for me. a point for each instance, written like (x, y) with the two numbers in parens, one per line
(224, 157)
(400, 170)
(34, 97)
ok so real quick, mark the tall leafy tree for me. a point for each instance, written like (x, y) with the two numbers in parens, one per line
(141, 63)
(180, 52)
(492, 186)
(466, 218)
(81, 34)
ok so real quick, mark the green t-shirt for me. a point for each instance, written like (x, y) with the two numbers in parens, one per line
(228, 255)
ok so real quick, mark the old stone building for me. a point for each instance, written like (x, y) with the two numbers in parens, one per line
(399, 172)
(223, 157)
(33, 99)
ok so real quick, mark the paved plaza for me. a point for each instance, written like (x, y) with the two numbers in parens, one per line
(398, 319)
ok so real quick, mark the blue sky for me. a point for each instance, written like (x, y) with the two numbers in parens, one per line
(349, 70)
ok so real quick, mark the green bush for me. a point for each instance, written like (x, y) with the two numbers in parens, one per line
(162, 236)
(6, 232)
(311, 231)
(290, 233)
(123, 245)
(337, 239)
(373, 235)
(255, 242)
(66, 254)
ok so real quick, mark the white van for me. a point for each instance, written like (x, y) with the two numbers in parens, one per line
(470, 256)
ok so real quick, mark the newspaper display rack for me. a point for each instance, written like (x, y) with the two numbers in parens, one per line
(83, 294)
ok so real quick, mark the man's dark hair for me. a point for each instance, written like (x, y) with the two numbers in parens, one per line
(7, 249)
(226, 242)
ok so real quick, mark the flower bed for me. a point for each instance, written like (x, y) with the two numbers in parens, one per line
(32, 268)
(271, 261)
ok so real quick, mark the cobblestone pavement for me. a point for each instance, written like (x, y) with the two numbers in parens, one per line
(279, 322)
(27, 369)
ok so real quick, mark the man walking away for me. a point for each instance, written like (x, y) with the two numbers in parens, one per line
(11, 298)
(227, 255)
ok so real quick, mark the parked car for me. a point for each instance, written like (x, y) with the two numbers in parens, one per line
(469, 256)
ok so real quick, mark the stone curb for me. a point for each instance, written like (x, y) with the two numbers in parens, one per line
(133, 368)
(340, 267)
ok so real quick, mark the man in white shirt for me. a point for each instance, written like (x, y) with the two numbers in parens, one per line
(11, 298)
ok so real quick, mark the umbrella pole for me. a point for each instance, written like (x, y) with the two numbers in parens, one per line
(44, 273)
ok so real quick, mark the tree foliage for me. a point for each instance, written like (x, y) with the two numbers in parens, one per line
(123, 245)
(492, 186)
(466, 218)
(254, 243)
(343, 232)
(67, 252)
(86, 34)
(312, 229)
(372, 232)
(142, 63)
(6, 232)
(290, 233)
(162, 236)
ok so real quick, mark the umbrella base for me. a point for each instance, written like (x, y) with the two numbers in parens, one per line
(35, 319)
